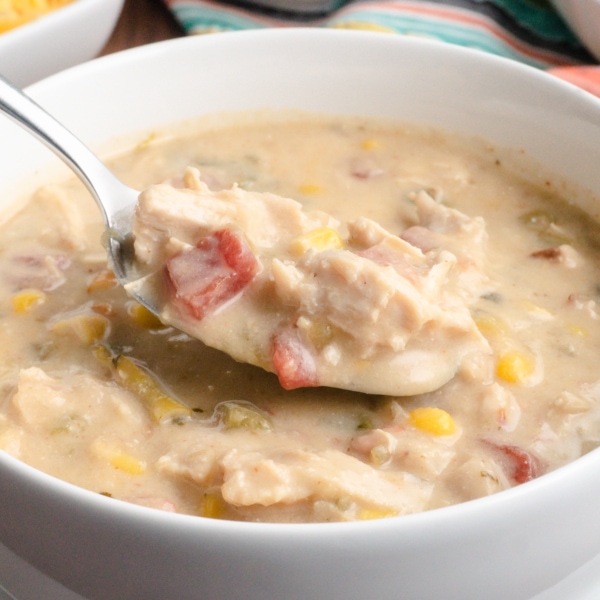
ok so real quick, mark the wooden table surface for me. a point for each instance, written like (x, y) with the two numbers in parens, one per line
(142, 22)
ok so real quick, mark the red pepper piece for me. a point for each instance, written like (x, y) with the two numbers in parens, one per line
(215, 271)
(293, 361)
(521, 465)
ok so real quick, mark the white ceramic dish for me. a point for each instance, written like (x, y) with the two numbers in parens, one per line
(63, 38)
(512, 545)
(583, 16)
(20, 581)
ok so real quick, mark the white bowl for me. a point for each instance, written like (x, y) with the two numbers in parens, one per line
(63, 38)
(583, 16)
(511, 545)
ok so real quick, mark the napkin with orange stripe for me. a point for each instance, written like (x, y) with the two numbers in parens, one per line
(530, 31)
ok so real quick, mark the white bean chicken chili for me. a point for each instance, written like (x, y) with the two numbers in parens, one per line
(420, 317)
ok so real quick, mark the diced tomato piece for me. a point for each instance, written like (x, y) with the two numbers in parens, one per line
(521, 465)
(293, 361)
(215, 271)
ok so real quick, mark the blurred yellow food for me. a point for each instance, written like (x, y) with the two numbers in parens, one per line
(27, 300)
(323, 238)
(17, 12)
(432, 420)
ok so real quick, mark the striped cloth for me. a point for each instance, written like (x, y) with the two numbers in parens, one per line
(529, 31)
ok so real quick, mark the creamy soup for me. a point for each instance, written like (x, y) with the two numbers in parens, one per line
(481, 282)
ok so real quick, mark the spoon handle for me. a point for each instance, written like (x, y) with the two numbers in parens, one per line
(110, 193)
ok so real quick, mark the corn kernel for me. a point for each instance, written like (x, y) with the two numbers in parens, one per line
(27, 300)
(117, 458)
(490, 326)
(214, 506)
(143, 317)
(432, 420)
(128, 463)
(371, 144)
(320, 239)
(367, 514)
(88, 328)
(310, 189)
(515, 367)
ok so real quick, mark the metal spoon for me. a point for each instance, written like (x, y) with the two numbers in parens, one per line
(114, 199)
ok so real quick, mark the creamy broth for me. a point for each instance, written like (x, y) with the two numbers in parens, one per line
(96, 392)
